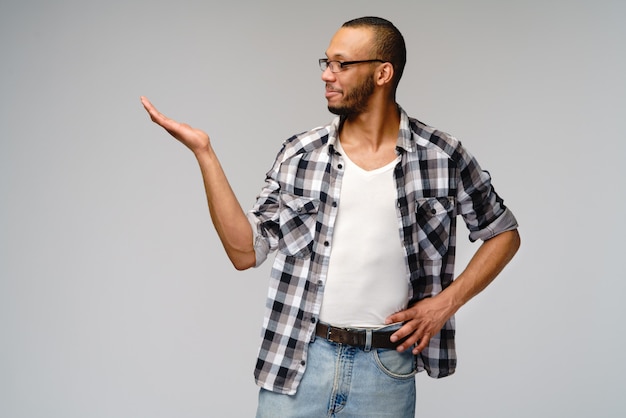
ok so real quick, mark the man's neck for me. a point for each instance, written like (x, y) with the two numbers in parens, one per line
(372, 129)
(370, 138)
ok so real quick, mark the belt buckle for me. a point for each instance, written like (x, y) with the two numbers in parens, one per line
(337, 338)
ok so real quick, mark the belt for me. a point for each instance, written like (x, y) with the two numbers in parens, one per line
(357, 337)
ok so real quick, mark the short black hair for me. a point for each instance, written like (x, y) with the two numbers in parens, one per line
(388, 42)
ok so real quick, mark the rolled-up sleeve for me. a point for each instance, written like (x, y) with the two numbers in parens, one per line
(264, 215)
(261, 244)
(482, 209)
(505, 222)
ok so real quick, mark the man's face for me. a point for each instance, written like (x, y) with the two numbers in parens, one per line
(348, 91)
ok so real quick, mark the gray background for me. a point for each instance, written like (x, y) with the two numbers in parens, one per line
(116, 298)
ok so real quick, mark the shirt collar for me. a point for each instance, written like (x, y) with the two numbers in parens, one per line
(333, 133)
(405, 136)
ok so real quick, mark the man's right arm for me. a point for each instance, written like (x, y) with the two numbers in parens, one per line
(228, 217)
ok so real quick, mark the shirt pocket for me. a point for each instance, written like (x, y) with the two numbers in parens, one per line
(434, 219)
(297, 219)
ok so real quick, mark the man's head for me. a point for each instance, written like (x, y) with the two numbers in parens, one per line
(365, 58)
(387, 43)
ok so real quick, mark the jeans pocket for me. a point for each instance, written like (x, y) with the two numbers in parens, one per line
(396, 365)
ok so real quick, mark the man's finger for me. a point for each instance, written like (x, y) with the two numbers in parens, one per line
(406, 330)
(146, 104)
(159, 118)
(422, 344)
(152, 111)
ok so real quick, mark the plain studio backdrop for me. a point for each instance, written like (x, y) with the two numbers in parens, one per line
(116, 298)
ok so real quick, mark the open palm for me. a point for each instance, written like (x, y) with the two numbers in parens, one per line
(194, 139)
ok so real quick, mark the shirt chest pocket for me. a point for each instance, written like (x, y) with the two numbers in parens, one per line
(434, 219)
(297, 219)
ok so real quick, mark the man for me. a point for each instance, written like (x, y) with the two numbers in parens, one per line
(362, 215)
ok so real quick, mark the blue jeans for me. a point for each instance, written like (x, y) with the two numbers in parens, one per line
(344, 381)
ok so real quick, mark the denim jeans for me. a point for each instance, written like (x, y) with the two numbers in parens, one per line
(344, 381)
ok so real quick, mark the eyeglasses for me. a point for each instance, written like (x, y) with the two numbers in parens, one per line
(338, 66)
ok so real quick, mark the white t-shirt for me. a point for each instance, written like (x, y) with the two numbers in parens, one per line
(367, 278)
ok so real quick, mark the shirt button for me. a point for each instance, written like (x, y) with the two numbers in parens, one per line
(334, 204)
(303, 362)
(313, 320)
(326, 243)
(340, 166)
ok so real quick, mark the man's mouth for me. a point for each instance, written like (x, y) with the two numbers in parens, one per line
(330, 91)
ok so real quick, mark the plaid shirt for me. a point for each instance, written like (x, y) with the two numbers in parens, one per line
(295, 213)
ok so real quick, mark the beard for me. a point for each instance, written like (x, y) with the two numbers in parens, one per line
(355, 101)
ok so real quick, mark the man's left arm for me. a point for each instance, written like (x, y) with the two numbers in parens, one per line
(425, 318)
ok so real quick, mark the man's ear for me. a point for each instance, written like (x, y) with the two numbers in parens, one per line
(385, 74)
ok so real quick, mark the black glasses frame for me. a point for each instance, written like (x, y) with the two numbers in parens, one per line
(325, 63)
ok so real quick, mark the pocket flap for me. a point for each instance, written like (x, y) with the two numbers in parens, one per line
(300, 204)
(433, 206)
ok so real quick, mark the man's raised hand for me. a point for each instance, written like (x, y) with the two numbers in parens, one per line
(194, 139)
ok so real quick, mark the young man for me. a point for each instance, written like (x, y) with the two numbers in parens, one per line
(362, 215)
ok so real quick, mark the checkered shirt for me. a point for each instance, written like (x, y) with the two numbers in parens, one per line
(436, 180)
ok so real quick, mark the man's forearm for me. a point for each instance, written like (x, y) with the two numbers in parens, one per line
(488, 261)
(228, 217)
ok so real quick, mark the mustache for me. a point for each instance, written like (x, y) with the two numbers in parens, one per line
(331, 88)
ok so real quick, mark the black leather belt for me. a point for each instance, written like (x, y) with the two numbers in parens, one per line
(356, 337)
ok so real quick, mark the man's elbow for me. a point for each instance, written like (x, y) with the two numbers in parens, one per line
(517, 240)
(513, 242)
(243, 261)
